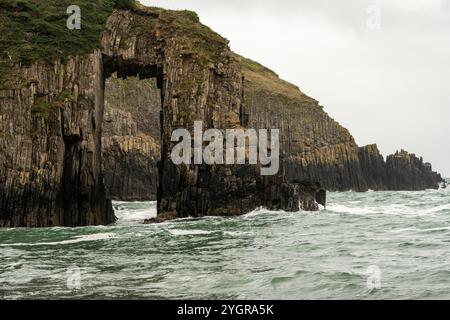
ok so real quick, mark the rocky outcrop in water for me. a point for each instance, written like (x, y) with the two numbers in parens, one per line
(405, 171)
(373, 167)
(401, 171)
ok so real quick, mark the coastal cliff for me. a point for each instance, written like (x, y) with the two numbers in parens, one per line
(50, 164)
(314, 147)
(66, 149)
(52, 110)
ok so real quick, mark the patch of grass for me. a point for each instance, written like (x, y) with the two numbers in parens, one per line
(125, 4)
(193, 16)
(36, 30)
(262, 80)
(249, 64)
(43, 105)
(198, 40)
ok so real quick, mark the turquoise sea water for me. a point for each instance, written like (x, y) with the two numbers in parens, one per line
(375, 245)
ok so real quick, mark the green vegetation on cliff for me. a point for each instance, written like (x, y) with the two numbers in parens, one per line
(43, 106)
(198, 41)
(33, 30)
(36, 30)
(263, 80)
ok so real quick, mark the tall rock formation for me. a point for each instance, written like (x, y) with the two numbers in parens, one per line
(406, 171)
(50, 154)
(373, 167)
(52, 107)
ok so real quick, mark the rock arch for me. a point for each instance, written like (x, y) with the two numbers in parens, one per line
(51, 165)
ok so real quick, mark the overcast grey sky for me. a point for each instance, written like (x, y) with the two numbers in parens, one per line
(389, 86)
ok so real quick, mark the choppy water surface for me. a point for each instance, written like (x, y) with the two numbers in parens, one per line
(375, 245)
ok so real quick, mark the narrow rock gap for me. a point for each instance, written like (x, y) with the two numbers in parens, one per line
(132, 130)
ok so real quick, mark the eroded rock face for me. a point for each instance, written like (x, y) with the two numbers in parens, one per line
(131, 138)
(51, 128)
(50, 164)
(315, 148)
(405, 171)
(373, 167)
(401, 171)
(200, 84)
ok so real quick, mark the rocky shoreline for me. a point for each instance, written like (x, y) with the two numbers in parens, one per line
(66, 149)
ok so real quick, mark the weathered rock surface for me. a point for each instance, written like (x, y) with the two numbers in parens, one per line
(131, 138)
(51, 128)
(401, 171)
(53, 123)
(406, 171)
(373, 167)
(314, 147)
(50, 155)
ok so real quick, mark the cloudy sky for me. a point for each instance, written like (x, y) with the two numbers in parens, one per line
(379, 67)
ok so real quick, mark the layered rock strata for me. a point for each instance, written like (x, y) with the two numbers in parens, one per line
(50, 148)
(401, 171)
(53, 122)
(51, 125)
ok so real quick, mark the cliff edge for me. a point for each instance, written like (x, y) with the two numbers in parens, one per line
(66, 150)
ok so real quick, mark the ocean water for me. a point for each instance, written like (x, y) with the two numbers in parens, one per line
(374, 245)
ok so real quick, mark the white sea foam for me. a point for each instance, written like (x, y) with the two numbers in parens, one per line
(77, 239)
(234, 233)
(182, 232)
(394, 209)
(128, 213)
(339, 208)
(408, 230)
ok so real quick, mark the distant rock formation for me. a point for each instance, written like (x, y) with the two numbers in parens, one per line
(405, 171)
(401, 171)
(373, 167)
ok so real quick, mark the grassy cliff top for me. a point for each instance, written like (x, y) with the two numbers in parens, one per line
(36, 30)
(261, 78)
